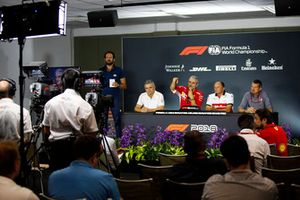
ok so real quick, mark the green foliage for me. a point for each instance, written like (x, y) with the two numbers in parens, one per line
(213, 153)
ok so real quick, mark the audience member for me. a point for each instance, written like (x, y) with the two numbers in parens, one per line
(66, 116)
(189, 95)
(9, 170)
(113, 81)
(10, 113)
(240, 182)
(197, 167)
(255, 99)
(220, 100)
(271, 132)
(151, 100)
(81, 180)
(258, 147)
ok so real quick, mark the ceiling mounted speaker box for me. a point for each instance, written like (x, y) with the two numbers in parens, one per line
(105, 18)
(287, 7)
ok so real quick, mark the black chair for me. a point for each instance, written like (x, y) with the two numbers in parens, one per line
(187, 191)
(283, 162)
(273, 149)
(158, 174)
(288, 176)
(293, 150)
(136, 189)
(295, 191)
(167, 159)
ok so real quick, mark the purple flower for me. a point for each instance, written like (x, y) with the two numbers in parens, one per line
(217, 138)
(133, 135)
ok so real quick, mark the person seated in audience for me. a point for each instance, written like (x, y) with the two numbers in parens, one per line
(151, 100)
(189, 95)
(255, 99)
(236, 153)
(220, 100)
(9, 170)
(10, 114)
(197, 167)
(258, 147)
(81, 180)
(271, 132)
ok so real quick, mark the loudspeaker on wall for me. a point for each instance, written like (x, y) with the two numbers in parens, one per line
(105, 18)
(287, 7)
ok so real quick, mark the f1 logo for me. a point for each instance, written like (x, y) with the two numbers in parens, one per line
(198, 50)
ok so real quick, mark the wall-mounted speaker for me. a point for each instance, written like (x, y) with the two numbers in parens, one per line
(287, 7)
(105, 18)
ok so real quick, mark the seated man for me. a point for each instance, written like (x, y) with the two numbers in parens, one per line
(240, 182)
(10, 113)
(81, 180)
(197, 167)
(189, 95)
(255, 99)
(9, 170)
(151, 100)
(220, 100)
(271, 132)
(258, 147)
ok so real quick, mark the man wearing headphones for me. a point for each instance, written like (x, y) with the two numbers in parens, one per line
(66, 116)
(10, 113)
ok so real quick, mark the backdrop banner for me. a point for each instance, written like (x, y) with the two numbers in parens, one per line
(235, 59)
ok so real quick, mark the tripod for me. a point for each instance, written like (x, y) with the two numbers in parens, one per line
(110, 161)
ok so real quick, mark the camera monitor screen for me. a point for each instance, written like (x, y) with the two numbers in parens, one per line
(91, 78)
(55, 74)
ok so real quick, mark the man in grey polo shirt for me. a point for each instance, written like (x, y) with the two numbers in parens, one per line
(255, 99)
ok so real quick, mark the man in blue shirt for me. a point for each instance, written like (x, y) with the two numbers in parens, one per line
(255, 99)
(81, 180)
(113, 80)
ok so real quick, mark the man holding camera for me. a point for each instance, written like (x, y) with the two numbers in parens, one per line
(66, 116)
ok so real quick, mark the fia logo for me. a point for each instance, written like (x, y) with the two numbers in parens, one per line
(214, 50)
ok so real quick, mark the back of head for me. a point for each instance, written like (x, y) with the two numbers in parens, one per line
(7, 88)
(265, 114)
(246, 121)
(71, 79)
(194, 143)
(235, 150)
(86, 146)
(9, 154)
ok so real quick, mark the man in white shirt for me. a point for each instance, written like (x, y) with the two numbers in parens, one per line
(9, 170)
(220, 100)
(151, 100)
(258, 147)
(66, 116)
(10, 113)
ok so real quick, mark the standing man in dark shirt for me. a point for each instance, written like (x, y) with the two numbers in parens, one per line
(113, 80)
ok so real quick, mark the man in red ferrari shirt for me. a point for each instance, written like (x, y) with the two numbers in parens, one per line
(189, 95)
(271, 132)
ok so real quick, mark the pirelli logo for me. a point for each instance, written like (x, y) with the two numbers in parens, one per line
(198, 50)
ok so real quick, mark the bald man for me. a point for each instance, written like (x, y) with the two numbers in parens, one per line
(10, 114)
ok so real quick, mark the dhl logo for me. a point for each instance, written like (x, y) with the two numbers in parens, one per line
(198, 50)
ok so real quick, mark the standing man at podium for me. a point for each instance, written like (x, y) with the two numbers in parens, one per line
(113, 81)
(189, 95)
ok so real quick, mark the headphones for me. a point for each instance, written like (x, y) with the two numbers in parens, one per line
(76, 85)
(12, 86)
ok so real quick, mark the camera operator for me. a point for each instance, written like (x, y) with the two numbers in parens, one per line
(10, 113)
(66, 116)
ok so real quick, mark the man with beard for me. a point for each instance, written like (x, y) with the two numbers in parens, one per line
(271, 132)
(255, 99)
(113, 80)
(151, 100)
(189, 95)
